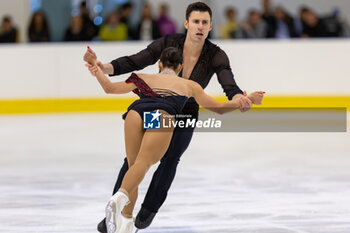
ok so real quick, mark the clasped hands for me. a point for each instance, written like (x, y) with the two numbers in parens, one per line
(246, 101)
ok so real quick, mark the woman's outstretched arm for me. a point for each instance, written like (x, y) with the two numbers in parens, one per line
(111, 87)
(211, 104)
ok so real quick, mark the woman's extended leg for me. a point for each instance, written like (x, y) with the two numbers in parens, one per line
(153, 146)
(133, 133)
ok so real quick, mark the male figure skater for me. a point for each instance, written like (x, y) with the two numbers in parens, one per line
(201, 59)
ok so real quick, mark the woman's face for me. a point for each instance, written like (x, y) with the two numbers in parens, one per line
(38, 18)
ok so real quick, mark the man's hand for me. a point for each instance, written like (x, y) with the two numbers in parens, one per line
(256, 97)
(245, 103)
(90, 56)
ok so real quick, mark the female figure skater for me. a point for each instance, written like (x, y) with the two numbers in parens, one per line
(164, 92)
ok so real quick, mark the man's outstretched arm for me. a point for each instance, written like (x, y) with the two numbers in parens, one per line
(127, 64)
(226, 79)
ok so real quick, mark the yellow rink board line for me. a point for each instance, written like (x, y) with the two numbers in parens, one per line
(70, 105)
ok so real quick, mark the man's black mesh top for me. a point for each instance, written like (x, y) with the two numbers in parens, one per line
(212, 60)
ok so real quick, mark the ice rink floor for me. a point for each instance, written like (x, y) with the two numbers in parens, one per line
(57, 173)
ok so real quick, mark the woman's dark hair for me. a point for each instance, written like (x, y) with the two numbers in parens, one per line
(44, 34)
(198, 6)
(171, 58)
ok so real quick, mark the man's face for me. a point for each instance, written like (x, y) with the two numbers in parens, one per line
(198, 25)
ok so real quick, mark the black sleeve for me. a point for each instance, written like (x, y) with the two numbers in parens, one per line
(224, 73)
(140, 60)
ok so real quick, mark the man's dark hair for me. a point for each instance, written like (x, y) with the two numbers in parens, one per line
(198, 6)
(171, 57)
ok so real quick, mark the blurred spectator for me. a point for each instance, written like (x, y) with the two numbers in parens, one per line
(267, 11)
(268, 17)
(229, 28)
(148, 28)
(298, 22)
(89, 28)
(166, 25)
(75, 31)
(313, 26)
(113, 30)
(253, 28)
(8, 33)
(333, 24)
(345, 28)
(38, 30)
(125, 13)
(283, 26)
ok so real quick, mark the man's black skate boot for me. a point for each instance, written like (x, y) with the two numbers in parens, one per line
(101, 227)
(144, 218)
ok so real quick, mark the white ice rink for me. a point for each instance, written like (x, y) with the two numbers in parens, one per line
(58, 171)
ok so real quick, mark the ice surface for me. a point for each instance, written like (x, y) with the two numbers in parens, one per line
(58, 171)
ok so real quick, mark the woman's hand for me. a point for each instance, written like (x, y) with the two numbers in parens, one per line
(90, 56)
(256, 97)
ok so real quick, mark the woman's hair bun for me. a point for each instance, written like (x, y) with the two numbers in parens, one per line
(171, 57)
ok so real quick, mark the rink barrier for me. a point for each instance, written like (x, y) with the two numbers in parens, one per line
(71, 105)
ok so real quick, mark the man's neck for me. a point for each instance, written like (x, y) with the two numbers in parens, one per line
(193, 48)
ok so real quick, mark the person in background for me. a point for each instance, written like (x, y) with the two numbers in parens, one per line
(253, 28)
(267, 10)
(113, 30)
(75, 31)
(125, 12)
(268, 17)
(39, 30)
(313, 26)
(334, 24)
(298, 21)
(8, 32)
(89, 28)
(283, 26)
(166, 25)
(229, 28)
(345, 27)
(148, 28)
